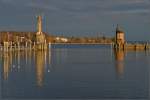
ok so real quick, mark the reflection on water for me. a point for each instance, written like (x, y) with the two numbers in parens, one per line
(7, 61)
(40, 63)
(119, 57)
(11, 62)
(75, 73)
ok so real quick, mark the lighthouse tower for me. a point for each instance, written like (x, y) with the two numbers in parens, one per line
(40, 37)
(120, 38)
(39, 25)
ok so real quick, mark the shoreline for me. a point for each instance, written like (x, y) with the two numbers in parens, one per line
(85, 43)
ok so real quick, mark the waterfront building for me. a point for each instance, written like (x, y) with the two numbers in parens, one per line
(120, 38)
(120, 43)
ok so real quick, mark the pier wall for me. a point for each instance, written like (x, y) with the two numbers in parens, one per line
(135, 47)
(45, 46)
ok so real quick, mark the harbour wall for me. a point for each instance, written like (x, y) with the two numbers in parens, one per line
(133, 47)
(127, 46)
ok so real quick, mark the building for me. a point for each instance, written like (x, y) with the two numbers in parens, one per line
(120, 38)
(40, 36)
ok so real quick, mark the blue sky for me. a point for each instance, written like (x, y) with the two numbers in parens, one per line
(78, 17)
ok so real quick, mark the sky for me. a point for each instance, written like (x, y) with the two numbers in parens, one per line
(78, 17)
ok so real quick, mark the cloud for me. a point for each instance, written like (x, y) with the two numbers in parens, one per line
(6, 1)
(78, 15)
(84, 6)
(42, 6)
(133, 11)
(105, 6)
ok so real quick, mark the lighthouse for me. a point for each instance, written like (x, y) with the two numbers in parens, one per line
(40, 36)
(39, 24)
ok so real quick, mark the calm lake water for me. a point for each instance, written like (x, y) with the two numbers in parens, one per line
(75, 71)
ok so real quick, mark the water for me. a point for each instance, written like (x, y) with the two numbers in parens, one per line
(75, 71)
